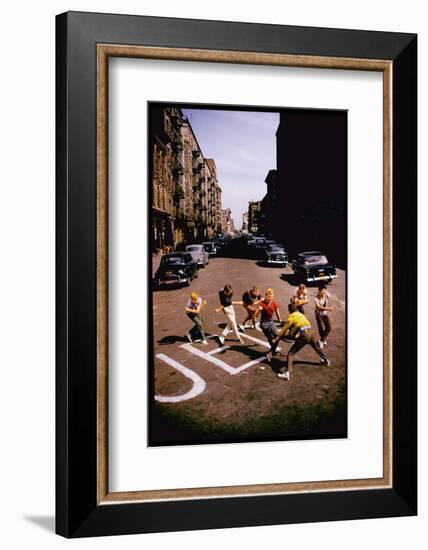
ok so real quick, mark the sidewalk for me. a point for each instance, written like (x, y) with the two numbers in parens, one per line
(156, 258)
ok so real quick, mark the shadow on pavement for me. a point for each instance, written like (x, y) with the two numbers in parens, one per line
(171, 340)
(277, 363)
(247, 350)
(311, 363)
(261, 263)
(289, 278)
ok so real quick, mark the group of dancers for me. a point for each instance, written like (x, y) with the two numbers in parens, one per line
(260, 312)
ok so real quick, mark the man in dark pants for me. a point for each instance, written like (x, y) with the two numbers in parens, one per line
(193, 311)
(250, 301)
(266, 308)
(300, 329)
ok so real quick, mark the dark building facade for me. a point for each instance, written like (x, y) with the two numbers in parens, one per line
(311, 183)
(164, 128)
(268, 206)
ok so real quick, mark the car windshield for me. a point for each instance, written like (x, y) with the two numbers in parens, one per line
(193, 248)
(276, 249)
(315, 260)
(208, 246)
(172, 260)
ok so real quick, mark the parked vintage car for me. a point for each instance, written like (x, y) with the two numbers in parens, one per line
(210, 247)
(254, 241)
(270, 242)
(219, 243)
(313, 266)
(199, 254)
(261, 243)
(275, 254)
(177, 268)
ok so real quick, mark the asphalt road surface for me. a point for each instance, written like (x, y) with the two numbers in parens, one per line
(230, 392)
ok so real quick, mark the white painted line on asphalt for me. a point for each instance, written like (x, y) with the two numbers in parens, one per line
(257, 340)
(251, 363)
(198, 382)
(209, 358)
(222, 364)
(217, 350)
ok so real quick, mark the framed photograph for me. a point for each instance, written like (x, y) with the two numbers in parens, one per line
(236, 249)
(264, 269)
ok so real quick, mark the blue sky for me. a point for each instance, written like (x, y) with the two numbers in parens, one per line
(243, 145)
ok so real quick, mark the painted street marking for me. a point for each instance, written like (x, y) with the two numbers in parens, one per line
(208, 356)
(198, 382)
(251, 363)
(217, 350)
(257, 340)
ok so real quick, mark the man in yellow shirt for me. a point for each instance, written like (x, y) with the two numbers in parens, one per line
(300, 329)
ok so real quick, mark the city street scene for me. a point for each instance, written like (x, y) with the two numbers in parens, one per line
(248, 255)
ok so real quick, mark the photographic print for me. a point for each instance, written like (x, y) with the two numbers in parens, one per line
(248, 270)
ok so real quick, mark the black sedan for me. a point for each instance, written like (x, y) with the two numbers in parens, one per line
(276, 255)
(313, 266)
(210, 247)
(175, 269)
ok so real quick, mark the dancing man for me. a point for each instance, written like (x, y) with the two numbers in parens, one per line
(193, 311)
(299, 328)
(266, 308)
(321, 314)
(300, 297)
(250, 301)
(225, 295)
